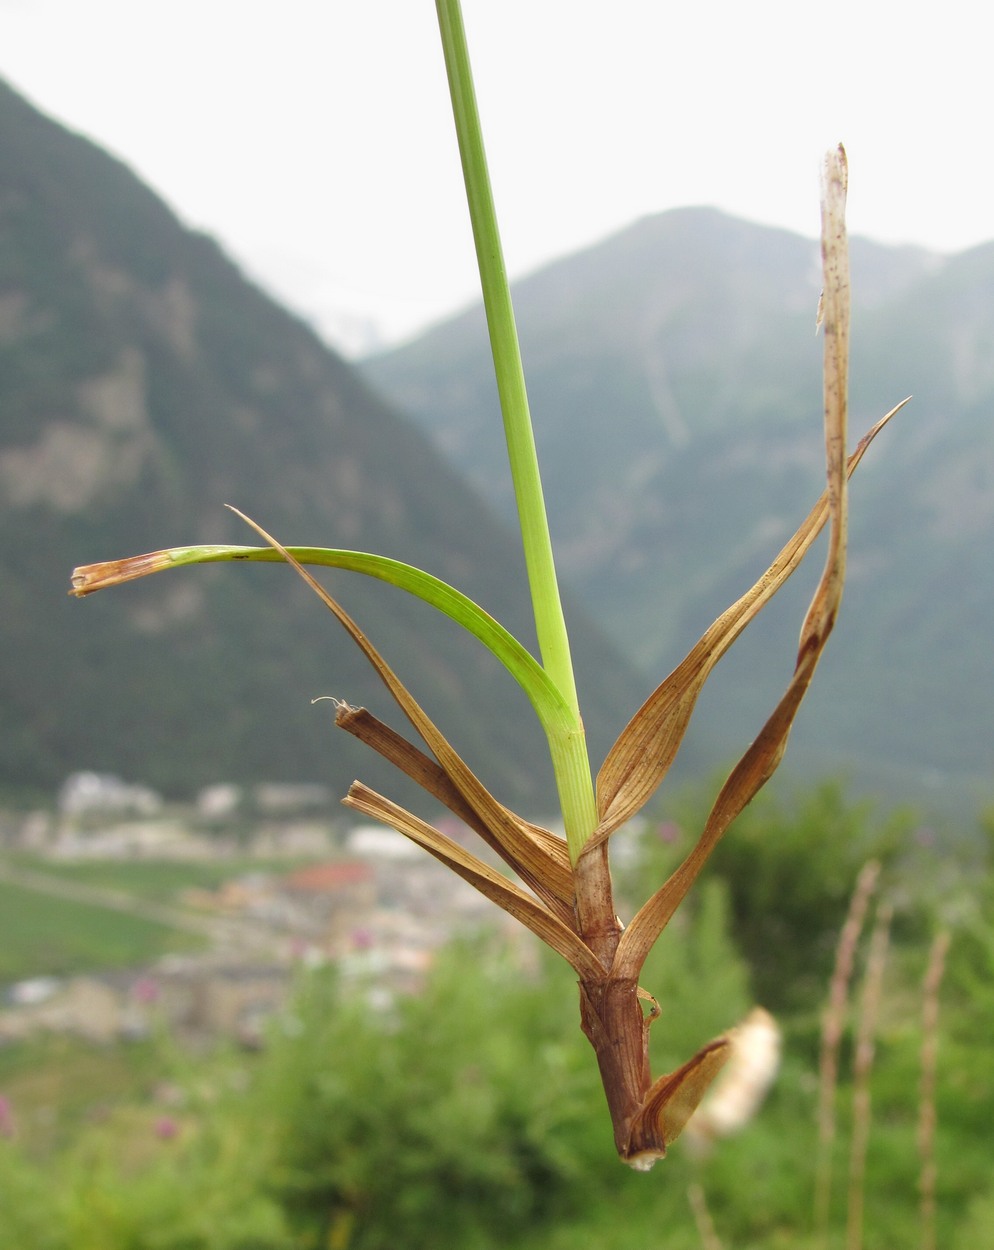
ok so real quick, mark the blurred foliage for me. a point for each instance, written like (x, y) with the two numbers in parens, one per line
(481, 1089)
(470, 1115)
(789, 865)
(473, 1090)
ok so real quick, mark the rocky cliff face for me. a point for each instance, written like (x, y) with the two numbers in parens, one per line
(144, 384)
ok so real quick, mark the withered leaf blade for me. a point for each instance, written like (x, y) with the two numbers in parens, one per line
(670, 1103)
(515, 901)
(545, 868)
(87, 578)
(512, 833)
(645, 750)
(641, 757)
(746, 780)
(760, 761)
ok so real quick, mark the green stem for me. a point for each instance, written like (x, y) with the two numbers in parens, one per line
(569, 756)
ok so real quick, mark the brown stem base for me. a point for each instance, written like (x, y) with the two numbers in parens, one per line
(647, 1117)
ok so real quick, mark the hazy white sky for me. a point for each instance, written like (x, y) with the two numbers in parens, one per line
(313, 137)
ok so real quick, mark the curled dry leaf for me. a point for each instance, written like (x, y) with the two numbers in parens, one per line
(735, 1097)
(641, 757)
(498, 889)
(672, 1101)
(518, 843)
(541, 862)
(762, 758)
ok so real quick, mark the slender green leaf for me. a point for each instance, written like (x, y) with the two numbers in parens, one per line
(550, 706)
(515, 834)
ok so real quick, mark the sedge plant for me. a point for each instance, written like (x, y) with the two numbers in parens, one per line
(563, 892)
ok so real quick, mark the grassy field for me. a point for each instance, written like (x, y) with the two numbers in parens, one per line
(60, 1084)
(43, 935)
(157, 880)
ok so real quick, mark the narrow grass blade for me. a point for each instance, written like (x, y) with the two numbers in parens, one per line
(508, 372)
(832, 1026)
(570, 759)
(863, 1056)
(550, 706)
(927, 1088)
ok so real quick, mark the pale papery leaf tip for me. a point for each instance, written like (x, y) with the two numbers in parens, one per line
(836, 164)
(88, 578)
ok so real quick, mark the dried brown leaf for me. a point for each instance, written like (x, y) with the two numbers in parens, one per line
(671, 1101)
(544, 868)
(641, 757)
(87, 578)
(512, 833)
(523, 907)
(763, 756)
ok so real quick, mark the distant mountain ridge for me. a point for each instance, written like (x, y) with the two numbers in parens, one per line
(144, 384)
(675, 382)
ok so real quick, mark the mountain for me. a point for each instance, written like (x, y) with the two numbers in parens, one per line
(144, 384)
(675, 381)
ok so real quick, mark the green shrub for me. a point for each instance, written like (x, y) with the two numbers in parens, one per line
(789, 866)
